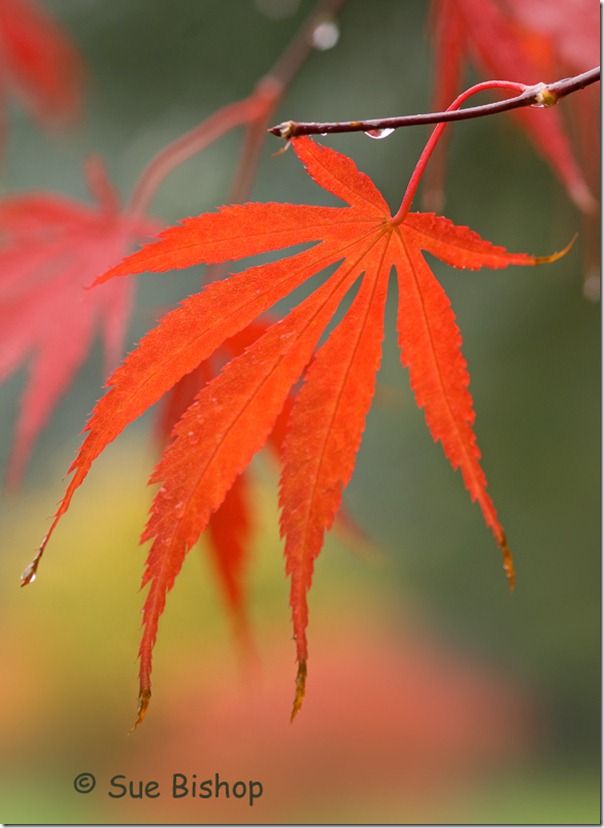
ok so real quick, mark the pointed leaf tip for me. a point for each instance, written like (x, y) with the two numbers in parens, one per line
(553, 257)
(144, 700)
(338, 174)
(508, 563)
(300, 689)
(29, 574)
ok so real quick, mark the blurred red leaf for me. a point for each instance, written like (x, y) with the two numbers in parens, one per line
(517, 41)
(51, 249)
(38, 62)
(569, 28)
(407, 719)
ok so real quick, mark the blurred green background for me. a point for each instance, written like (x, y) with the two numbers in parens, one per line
(434, 695)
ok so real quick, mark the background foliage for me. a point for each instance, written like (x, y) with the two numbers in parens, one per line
(433, 584)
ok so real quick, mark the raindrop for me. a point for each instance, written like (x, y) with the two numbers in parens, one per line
(29, 574)
(164, 493)
(192, 437)
(378, 134)
(325, 35)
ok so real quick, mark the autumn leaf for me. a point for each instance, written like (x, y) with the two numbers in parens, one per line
(39, 63)
(522, 47)
(233, 415)
(230, 528)
(51, 249)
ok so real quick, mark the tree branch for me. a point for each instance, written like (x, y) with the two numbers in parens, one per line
(538, 95)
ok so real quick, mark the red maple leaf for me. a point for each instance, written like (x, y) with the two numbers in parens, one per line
(230, 527)
(51, 249)
(38, 62)
(503, 45)
(233, 415)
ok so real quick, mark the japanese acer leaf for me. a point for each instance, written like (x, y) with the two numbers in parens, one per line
(230, 528)
(233, 415)
(229, 533)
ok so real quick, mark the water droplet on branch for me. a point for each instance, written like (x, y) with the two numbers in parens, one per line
(28, 576)
(378, 134)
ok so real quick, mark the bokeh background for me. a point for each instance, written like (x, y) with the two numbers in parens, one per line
(434, 695)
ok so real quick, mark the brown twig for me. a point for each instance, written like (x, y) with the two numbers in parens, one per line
(539, 95)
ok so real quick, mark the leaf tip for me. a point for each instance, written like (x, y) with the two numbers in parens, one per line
(508, 563)
(144, 700)
(300, 689)
(29, 574)
(555, 256)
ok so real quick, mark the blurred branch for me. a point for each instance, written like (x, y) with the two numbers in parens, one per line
(253, 111)
(538, 95)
